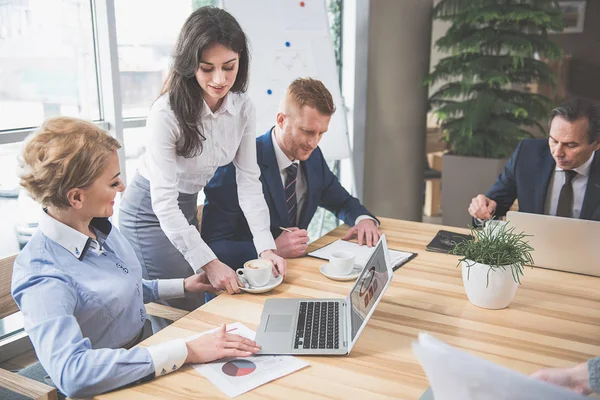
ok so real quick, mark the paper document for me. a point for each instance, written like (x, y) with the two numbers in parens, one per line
(235, 376)
(362, 253)
(457, 375)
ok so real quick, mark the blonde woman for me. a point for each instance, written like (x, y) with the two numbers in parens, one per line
(79, 283)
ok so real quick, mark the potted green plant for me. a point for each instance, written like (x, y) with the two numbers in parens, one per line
(493, 48)
(492, 264)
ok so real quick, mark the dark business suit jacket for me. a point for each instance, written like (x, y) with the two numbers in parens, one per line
(526, 177)
(224, 226)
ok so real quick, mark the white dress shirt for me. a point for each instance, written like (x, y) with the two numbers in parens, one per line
(230, 136)
(283, 162)
(579, 183)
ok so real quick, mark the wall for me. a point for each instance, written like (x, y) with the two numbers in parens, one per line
(585, 50)
(586, 45)
(398, 60)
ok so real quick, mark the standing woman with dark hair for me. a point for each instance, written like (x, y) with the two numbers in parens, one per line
(202, 120)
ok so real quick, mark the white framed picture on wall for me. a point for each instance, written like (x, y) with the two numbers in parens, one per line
(573, 15)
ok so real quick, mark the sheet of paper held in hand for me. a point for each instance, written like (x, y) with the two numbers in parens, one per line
(362, 253)
(235, 376)
(458, 375)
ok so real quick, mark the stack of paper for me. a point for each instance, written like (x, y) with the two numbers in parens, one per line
(235, 376)
(362, 253)
(456, 375)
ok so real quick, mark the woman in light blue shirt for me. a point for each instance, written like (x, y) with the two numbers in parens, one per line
(79, 283)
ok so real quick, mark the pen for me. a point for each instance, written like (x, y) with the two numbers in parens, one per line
(285, 229)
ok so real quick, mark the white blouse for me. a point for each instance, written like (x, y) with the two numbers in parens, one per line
(230, 136)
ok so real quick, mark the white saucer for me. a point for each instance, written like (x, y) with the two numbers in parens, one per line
(353, 275)
(273, 283)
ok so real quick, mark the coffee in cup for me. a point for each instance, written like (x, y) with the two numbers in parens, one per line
(341, 263)
(257, 272)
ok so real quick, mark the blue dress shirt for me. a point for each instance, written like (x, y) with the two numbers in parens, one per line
(82, 300)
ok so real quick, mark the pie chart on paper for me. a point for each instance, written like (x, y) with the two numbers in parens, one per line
(238, 367)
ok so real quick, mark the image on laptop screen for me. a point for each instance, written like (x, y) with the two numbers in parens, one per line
(367, 289)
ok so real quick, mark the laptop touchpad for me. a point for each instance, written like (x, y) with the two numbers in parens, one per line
(279, 323)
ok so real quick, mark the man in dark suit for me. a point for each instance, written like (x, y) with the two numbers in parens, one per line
(296, 180)
(555, 176)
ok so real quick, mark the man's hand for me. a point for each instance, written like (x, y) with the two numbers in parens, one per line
(217, 345)
(292, 244)
(198, 283)
(279, 264)
(482, 207)
(221, 277)
(575, 378)
(367, 233)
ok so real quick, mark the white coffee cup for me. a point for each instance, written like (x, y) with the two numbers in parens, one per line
(341, 263)
(257, 272)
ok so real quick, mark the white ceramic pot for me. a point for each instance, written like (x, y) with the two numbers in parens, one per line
(500, 290)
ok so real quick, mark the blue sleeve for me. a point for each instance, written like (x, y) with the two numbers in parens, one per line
(150, 290)
(594, 374)
(337, 199)
(504, 191)
(48, 304)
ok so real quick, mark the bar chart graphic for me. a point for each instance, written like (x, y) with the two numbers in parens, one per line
(238, 367)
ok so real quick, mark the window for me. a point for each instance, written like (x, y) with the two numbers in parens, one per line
(49, 66)
(9, 207)
(134, 147)
(47, 62)
(145, 46)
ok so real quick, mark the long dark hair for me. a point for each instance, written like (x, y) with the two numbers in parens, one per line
(205, 26)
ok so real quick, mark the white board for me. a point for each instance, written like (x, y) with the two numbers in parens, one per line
(290, 39)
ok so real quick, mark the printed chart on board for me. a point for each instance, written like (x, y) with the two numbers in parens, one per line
(235, 376)
(288, 40)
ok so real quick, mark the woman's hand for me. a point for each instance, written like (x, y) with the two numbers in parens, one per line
(222, 277)
(279, 264)
(217, 345)
(575, 378)
(198, 283)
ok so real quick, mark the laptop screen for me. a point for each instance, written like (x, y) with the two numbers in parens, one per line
(369, 286)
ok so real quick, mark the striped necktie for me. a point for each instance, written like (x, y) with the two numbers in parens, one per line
(291, 176)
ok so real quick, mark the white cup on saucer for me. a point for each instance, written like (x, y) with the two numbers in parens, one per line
(341, 263)
(257, 272)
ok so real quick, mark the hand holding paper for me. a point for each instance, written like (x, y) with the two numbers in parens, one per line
(457, 375)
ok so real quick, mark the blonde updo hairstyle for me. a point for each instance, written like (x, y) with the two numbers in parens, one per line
(64, 153)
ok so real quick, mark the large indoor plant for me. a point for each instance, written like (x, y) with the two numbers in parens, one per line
(493, 48)
(492, 264)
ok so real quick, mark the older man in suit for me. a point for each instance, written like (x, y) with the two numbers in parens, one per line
(556, 176)
(296, 180)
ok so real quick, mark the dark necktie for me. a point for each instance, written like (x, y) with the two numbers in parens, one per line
(565, 199)
(291, 176)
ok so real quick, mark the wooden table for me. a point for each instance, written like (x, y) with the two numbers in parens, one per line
(553, 321)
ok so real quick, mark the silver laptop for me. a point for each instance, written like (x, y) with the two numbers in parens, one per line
(565, 244)
(326, 326)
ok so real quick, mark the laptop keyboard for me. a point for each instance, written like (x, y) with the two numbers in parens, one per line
(318, 325)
